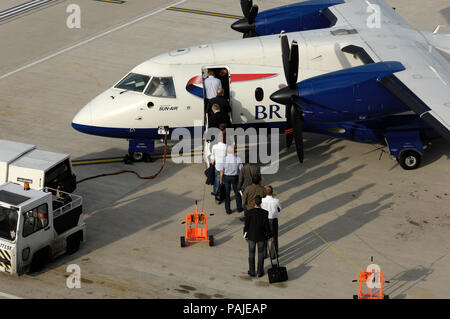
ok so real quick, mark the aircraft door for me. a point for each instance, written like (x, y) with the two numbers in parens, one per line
(223, 74)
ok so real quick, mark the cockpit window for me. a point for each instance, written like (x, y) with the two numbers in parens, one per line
(133, 82)
(161, 87)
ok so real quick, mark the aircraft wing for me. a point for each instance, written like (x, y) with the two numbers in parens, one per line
(424, 85)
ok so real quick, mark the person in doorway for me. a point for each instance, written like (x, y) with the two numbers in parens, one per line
(212, 84)
(221, 101)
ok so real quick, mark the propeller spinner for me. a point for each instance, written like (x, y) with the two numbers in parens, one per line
(247, 24)
(289, 96)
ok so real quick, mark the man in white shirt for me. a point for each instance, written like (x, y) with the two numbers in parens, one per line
(273, 206)
(229, 175)
(212, 84)
(218, 153)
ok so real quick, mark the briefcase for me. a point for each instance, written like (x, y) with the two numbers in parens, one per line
(220, 195)
(277, 273)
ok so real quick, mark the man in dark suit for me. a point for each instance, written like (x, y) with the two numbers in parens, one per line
(218, 117)
(256, 231)
(221, 101)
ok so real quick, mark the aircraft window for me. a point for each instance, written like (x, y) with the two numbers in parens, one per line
(259, 94)
(161, 87)
(133, 82)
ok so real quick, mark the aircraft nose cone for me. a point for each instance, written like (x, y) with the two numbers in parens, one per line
(242, 26)
(84, 117)
(284, 95)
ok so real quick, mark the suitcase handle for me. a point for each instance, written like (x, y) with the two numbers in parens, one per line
(270, 256)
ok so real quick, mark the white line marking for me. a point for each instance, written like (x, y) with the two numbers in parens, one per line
(19, 6)
(25, 9)
(3, 294)
(89, 40)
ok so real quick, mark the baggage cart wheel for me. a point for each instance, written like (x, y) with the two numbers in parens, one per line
(182, 241)
(211, 240)
(355, 296)
(386, 297)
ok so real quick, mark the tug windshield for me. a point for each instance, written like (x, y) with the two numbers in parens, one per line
(8, 223)
(133, 82)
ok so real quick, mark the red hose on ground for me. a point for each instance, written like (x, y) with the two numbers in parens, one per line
(133, 172)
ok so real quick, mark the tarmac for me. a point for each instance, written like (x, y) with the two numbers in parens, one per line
(343, 205)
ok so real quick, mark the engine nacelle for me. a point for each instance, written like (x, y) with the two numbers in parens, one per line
(352, 94)
(308, 15)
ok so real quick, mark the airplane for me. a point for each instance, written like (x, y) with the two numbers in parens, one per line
(344, 76)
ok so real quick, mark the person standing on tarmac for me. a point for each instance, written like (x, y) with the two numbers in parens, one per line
(273, 206)
(257, 232)
(229, 176)
(250, 193)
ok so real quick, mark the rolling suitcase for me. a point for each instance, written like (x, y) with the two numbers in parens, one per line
(276, 273)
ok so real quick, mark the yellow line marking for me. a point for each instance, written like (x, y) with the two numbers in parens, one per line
(337, 251)
(113, 160)
(205, 13)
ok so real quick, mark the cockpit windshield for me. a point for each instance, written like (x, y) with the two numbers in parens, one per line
(161, 87)
(8, 223)
(133, 82)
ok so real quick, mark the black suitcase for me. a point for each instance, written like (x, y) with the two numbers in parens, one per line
(276, 273)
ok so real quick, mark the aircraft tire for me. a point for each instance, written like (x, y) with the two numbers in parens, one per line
(409, 160)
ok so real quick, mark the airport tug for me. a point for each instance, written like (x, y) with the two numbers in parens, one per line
(196, 228)
(373, 279)
(37, 226)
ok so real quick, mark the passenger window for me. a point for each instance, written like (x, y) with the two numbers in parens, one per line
(161, 87)
(35, 220)
(259, 94)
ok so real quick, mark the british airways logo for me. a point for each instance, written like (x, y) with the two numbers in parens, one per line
(194, 88)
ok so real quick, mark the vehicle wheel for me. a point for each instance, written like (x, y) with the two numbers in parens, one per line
(137, 156)
(183, 242)
(386, 297)
(409, 160)
(355, 296)
(40, 259)
(73, 244)
(211, 240)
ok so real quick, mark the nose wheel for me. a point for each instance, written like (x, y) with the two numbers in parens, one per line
(134, 157)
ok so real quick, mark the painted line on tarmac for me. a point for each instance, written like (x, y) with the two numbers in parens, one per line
(121, 159)
(5, 295)
(98, 36)
(216, 14)
(21, 8)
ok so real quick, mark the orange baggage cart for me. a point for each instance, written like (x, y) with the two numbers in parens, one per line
(372, 278)
(196, 228)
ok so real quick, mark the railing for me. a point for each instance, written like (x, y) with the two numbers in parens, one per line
(61, 197)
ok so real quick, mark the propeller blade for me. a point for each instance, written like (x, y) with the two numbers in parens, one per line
(293, 66)
(252, 14)
(285, 54)
(289, 132)
(245, 6)
(296, 120)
